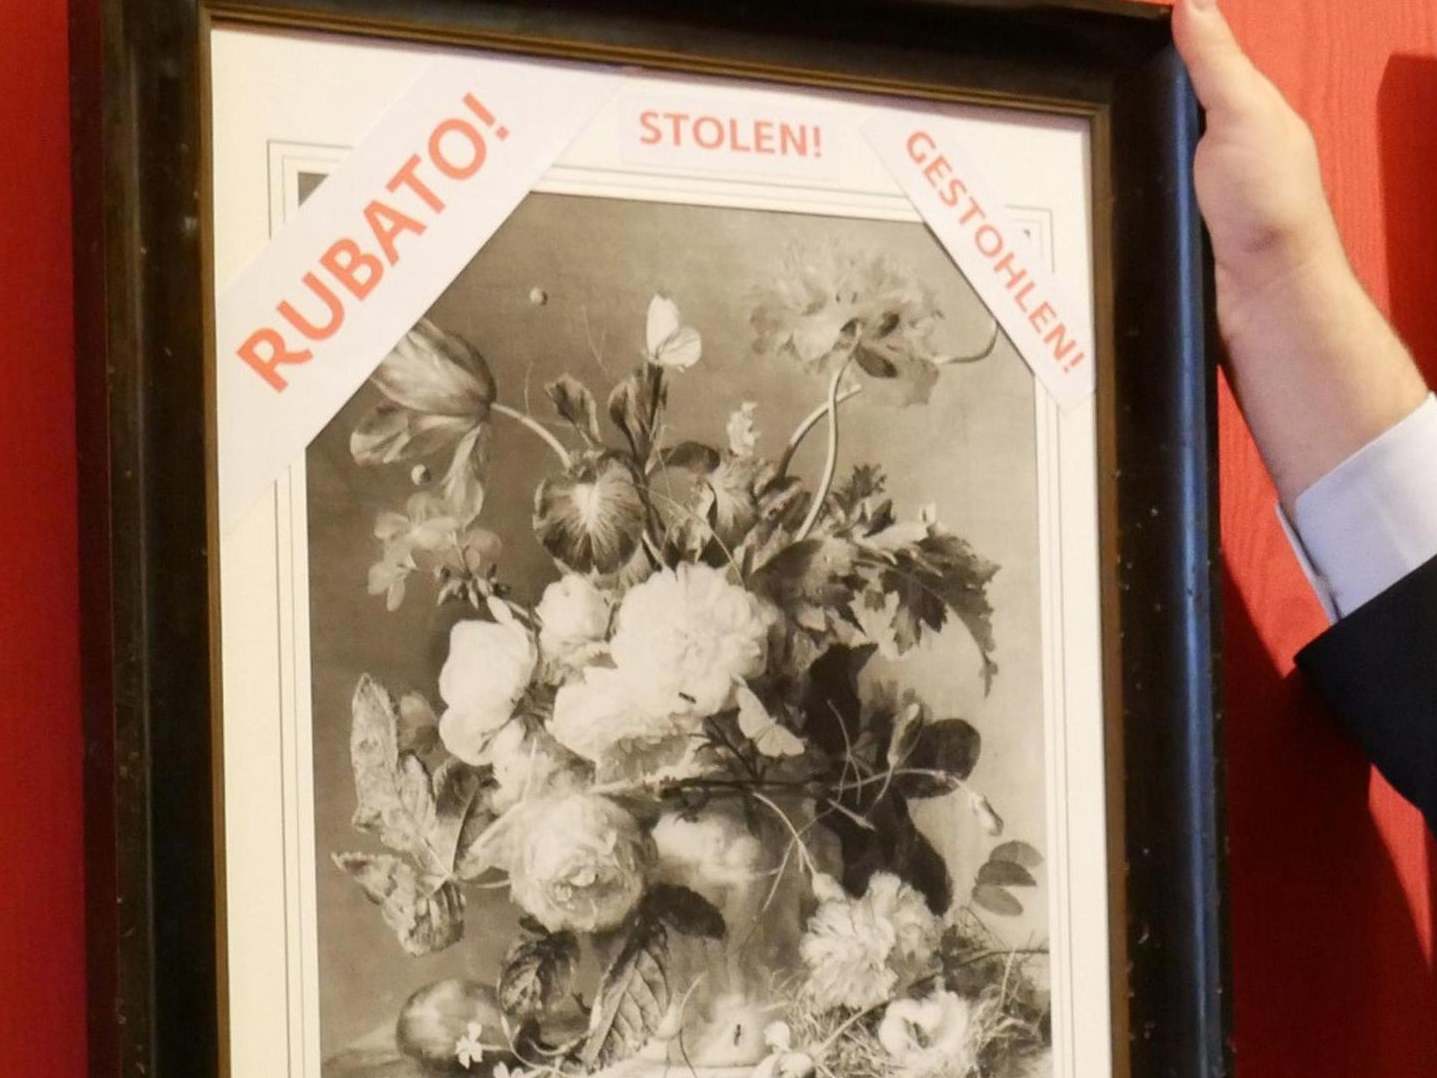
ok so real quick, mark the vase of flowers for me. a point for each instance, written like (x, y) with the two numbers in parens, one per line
(671, 761)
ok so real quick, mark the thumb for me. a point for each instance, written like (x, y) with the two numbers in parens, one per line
(1221, 73)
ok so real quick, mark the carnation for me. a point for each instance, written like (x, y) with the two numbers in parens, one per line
(860, 950)
(686, 636)
(487, 672)
(929, 1038)
(574, 619)
(579, 862)
(916, 931)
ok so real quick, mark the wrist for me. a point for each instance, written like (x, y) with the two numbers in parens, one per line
(1298, 309)
(1286, 268)
(1317, 369)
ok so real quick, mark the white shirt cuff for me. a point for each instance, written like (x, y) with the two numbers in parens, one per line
(1372, 520)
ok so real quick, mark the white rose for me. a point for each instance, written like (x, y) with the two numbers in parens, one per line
(574, 617)
(528, 762)
(580, 862)
(929, 1038)
(488, 669)
(605, 710)
(687, 635)
(714, 853)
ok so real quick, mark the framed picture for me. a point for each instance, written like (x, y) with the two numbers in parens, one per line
(631, 539)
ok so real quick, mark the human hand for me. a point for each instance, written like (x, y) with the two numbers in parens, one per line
(1317, 370)
(1258, 179)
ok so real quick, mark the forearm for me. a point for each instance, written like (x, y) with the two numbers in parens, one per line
(1318, 371)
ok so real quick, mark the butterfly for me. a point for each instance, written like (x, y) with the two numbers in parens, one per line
(668, 342)
(758, 726)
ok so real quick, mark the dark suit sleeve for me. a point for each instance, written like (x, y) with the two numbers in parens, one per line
(1377, 670)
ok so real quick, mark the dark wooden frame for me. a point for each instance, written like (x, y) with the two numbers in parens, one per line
(139, 98)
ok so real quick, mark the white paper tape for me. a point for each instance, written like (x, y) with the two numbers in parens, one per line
(1054, 336)
(309, 320)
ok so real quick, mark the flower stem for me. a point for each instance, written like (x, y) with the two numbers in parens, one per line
(812, 785)
(538, 428)
(1005, 953)
(831, 464)
(974, 357)
(804, 857)
(852, 1021)
(696, 518)
(809, 422)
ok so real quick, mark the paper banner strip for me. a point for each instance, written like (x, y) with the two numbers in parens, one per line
(310, 319)
(1053, 335)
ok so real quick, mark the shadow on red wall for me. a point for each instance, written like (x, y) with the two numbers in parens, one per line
(1330, 973)
(1407, 129)
(1331, 970)
(1407, 126)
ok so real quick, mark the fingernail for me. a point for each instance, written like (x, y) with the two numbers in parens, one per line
(1205, 5)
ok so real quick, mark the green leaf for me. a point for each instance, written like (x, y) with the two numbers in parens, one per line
(685, 911)
(782, 504)
(573, 401)
(728, 500)
(833, 711)
(984, 812)
(908, 727)
(634, 995)
(418, 726)
(436, 820)
(932, 576)
(462, 814)
(634, 407)
(810, 577)
(395, 796)
(462, 488)
(899, 847)
(876, 828)
(537, 973)
(425, 918)
(950, 749)
(1005, 874)
(592, 517)
(926, 786)
(714, 495)
(865, 482)
(691, 456)
(997, 900)
(1020, 853)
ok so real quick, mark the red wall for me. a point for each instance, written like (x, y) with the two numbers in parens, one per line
(1332, 876)
(42, 1031)
(1332, 897)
